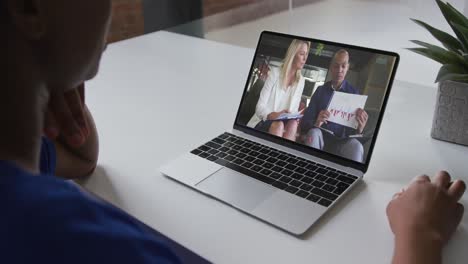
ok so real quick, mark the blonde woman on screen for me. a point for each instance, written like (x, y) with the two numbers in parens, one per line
(282, 93)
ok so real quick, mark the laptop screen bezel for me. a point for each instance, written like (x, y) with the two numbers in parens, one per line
(309, 150)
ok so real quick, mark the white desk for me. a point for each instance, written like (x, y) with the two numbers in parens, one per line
(150, 101)
(382, 24)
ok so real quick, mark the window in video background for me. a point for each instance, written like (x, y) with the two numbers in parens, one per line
(368, 74)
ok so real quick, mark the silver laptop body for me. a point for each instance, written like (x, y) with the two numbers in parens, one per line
(259, 195)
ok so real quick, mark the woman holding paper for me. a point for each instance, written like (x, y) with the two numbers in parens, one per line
(281, 94)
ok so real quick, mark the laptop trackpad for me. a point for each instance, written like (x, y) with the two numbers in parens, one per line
(237, 189)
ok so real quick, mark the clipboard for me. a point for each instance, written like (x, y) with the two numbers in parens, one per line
(288, 116)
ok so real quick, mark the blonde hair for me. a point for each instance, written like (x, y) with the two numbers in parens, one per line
(288, 60)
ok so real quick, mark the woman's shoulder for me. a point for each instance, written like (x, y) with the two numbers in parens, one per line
(274, 72)
(302, 79)
(301, 82)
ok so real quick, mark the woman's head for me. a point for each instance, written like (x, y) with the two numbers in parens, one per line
(62, 40)
(295, 59)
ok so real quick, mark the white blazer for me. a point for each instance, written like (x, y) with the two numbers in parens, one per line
(273, 98)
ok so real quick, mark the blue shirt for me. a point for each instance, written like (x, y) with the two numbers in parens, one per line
(45, 219)
(319, 102)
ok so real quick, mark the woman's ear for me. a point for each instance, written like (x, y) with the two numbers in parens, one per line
(27, 16)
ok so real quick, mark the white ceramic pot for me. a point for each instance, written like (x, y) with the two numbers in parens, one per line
(451, 113)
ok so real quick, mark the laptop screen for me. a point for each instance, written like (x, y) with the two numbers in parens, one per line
(325, 96)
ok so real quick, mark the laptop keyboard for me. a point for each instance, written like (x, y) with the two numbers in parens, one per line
(301, 177)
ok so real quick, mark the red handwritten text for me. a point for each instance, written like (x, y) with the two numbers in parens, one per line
(344, 115)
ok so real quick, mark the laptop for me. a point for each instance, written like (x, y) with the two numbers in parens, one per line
(289, 182)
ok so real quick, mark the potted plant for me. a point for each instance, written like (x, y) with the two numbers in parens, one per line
(450, 121)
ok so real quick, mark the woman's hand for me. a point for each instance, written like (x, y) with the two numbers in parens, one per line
(275, 115)
(423, 218)
(427, 208)
(66, 117)
(70, 125)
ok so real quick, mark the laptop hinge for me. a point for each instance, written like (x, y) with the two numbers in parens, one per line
(327, 163)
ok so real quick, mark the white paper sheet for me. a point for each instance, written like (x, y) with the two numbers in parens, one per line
(343, 107)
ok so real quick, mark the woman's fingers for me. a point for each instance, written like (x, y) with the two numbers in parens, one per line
(74, 102)
(69, 128)
(442, 179)
(457, 189)
(51, 127)
(419, 179)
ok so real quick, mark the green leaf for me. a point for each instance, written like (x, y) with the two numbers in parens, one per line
(463, 31)
(450, 72)
(320, 48)
(440, 55)
(429, 46)
(460, 16)
(427, 53)
(454, 17)
(454, 77)
(446, 39)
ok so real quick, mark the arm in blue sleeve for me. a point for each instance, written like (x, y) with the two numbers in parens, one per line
(48, 158)
(310, 114)
(74, 227)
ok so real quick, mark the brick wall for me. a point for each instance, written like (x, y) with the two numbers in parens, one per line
(127, 20)
(225, 13)
(211, 7)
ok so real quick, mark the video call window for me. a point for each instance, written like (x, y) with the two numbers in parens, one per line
(323, 96)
